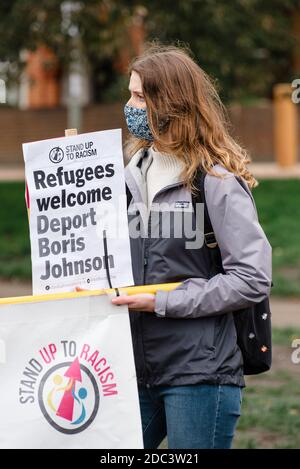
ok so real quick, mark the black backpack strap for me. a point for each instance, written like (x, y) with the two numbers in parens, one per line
(209, 235)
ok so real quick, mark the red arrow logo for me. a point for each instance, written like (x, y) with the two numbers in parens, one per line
(66, 406)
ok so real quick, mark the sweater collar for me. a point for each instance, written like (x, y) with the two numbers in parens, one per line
(134, 172)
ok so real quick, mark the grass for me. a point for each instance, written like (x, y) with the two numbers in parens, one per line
(271, 402)
(270, 412)
(14, 233)
(279, 215)
(285, 336)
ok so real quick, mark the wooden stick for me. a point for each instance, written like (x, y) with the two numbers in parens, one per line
(70, 132)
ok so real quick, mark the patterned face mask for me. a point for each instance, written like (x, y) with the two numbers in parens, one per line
(137, 122)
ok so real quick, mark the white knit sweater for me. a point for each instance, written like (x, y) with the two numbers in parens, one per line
(159, 170)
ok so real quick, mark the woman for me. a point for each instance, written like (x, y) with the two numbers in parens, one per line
(189, 367)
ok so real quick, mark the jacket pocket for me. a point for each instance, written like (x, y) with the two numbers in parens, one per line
(210, 329)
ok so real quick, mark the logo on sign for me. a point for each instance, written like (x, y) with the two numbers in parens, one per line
(56, 155)
(69, 397)
(66, 381)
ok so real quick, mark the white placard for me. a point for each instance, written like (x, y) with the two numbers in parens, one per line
(67, 375)
(77, 197)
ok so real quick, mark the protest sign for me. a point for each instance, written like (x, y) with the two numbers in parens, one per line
(78, 217)
(67, 375)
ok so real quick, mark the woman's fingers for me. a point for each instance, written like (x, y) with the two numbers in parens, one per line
(141, 302)
(123, 300)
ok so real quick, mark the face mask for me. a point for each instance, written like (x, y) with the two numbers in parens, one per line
(137, 122)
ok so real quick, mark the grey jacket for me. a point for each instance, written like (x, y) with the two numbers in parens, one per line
(191, 337)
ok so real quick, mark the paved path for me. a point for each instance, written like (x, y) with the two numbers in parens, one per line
(285, 312)
(273, 171)
(14, 288)
(259, 170)
(12, 173)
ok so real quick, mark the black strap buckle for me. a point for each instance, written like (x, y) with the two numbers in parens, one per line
(210, 240)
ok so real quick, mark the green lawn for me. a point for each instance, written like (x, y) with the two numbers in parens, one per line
(279, 214)
(14, 233)
(278, 204)
(270, 412)
(271, 402)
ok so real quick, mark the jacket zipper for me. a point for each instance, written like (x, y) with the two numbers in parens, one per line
(145, 263)
(147, 242)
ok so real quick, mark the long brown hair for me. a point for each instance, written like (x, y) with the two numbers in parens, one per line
(186, 115)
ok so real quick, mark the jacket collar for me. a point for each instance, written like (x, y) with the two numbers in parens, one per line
(134, 177)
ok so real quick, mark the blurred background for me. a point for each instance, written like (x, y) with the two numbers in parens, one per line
(64, 65)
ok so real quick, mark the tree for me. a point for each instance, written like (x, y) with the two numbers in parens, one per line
(91, 27)
(245, 44)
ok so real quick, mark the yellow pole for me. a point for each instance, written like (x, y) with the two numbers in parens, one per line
(285, 125)
(56, 296)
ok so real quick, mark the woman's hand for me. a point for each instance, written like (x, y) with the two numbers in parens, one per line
(140, 302)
